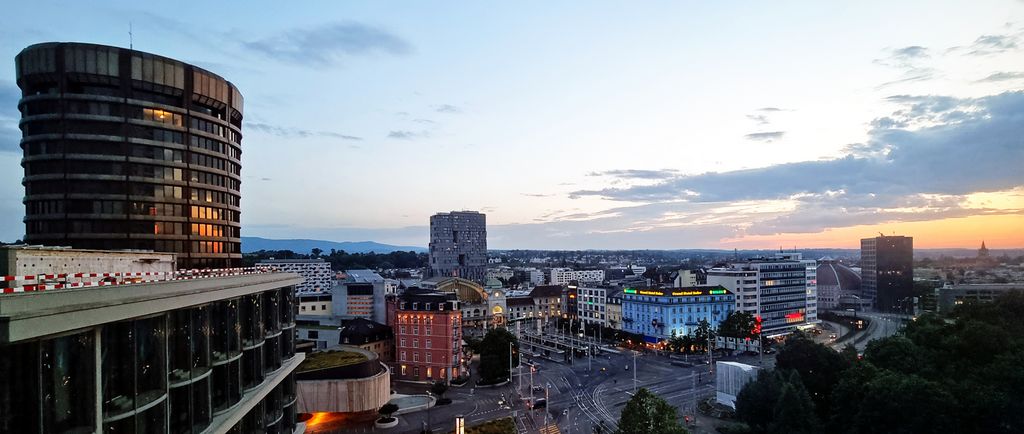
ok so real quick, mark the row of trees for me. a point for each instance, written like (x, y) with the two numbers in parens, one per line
(342, 260)
(957, 374)
(741, 325)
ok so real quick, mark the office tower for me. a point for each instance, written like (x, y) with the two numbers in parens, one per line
(777, 288)
(316, 273)
(458, 245)
(176, 354)
(887, 272)
(130, 150)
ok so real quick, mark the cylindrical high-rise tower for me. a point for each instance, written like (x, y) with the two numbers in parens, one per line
(130, 150)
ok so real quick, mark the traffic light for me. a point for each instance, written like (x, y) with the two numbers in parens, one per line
(757, 325)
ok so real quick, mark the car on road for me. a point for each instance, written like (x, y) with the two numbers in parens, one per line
(538, 389)
(540, 403)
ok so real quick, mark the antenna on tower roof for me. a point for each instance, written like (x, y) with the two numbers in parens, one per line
(131, 42)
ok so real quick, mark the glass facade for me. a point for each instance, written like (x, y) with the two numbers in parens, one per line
(167, 373)
(113, 139)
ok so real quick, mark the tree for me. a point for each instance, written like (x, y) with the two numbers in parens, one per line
(819, 367)
(316, 252)
(494, 355)
(849, 352)
(439, 388)
(646, 413)
(895, 353)
(738, 325)
(794, 411)
(776, 402)
(703, 333)
(387, 410)
(755, 404)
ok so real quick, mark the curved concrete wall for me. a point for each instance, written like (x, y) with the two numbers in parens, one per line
(345, 395)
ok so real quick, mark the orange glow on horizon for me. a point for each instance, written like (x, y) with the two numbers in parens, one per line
(998, 232)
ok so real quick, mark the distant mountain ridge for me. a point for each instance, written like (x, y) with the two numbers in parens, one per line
(253, 244)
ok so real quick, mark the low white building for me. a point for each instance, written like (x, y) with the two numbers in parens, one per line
(729, 380)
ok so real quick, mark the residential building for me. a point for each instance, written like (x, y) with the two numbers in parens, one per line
(953, 295)
(521, 308)
(315, 304)
(180, 354)
(428, 335)
(562, 276)
(130, 150)
(548, 299)
(534, 276)
(774, 288)
(658, 314)
(369, 335)
(887, 272)
(613, 309)
(684, 278)
(502, 273)
(316, 273)
(570, 302)
(458, 245)
(360, 295)
(592, 306)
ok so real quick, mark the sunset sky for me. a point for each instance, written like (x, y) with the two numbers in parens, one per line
(580, 125)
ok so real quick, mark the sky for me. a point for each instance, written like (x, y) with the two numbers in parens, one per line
(595, 125)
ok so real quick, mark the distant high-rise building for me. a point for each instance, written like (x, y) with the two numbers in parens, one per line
(458, 245)
(887, 272)
(130, 150)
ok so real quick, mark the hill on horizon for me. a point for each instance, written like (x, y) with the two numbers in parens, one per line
(305, 246)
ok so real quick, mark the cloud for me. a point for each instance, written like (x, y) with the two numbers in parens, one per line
(1002, 76)
(766, 136)
(447, 108)
(934, 145)
(909, 60)
(637, 173)
(760, 119)
(424, 121)
(329, 44)
(770, 109)
(295, 132)
(537, 194)
(993, 44)
(407, 135)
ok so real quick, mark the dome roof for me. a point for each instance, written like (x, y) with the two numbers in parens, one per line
(833, 274)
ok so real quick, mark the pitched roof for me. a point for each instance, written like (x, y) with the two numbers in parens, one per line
(519, 301)
(546, 291)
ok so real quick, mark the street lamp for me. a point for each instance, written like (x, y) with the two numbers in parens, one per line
(460, 424)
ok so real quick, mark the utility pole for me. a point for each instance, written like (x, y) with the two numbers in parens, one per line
(634, 373)
(711, 356)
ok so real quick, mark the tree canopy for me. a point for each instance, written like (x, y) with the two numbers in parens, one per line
(647, 413)
(494, 355)
(955, 373)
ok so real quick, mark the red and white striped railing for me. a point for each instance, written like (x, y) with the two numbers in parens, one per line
(120, 278)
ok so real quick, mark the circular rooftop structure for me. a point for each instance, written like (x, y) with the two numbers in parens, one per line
(833, 274)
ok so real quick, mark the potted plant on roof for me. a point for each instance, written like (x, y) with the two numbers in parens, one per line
(386, 420)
